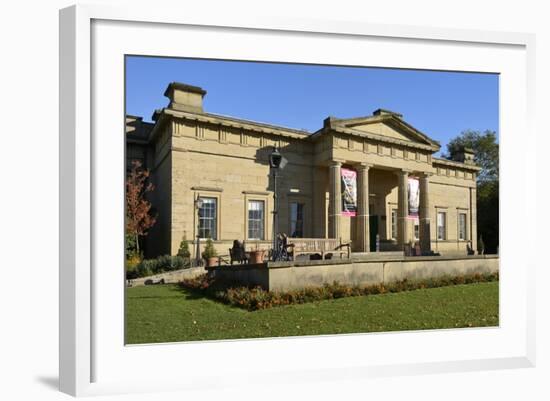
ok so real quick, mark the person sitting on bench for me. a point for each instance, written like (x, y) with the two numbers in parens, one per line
(237, 253)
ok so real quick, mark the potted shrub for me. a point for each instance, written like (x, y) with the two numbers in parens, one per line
(209, 254)
(257, 255)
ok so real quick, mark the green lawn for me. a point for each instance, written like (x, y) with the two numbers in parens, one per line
(167, 313)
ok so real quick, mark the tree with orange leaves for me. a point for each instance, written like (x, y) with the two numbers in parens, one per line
(138, 209)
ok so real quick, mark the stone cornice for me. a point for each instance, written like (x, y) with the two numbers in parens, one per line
(184, 87)
(262, 193)
(207, 189)
(451, 163)
(236, 123)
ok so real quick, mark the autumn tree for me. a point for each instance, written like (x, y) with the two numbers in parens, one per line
(139, 218)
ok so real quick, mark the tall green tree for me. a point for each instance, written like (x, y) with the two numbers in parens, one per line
(486, 151)
(485, 147)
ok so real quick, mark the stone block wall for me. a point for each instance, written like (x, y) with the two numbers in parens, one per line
(284, 276)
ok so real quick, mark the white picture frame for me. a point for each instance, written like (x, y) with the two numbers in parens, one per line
(94, 361)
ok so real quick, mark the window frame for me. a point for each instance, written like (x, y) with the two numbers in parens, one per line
(445, 224)
(215, 219)
(393, 223)
(461, 213)
(207, 193)
(265, 198)
(262, 220)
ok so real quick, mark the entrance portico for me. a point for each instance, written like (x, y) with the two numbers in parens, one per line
(385, 188)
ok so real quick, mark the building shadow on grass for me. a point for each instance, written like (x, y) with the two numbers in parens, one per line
(194, 293)
(210, 293)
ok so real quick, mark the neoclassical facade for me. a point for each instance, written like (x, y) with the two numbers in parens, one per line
(224, 162)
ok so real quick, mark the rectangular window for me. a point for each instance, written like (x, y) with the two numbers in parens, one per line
(394, 224)
(462, 226)
(256, 219)
(416, 229)
(208, 218)
(441, 225)
(296, 219)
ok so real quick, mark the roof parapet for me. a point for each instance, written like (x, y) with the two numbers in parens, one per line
(382, 112)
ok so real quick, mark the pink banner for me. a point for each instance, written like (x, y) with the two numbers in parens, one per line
(349, 192)
(413, 196)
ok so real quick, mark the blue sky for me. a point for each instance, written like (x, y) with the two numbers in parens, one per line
(440, 104)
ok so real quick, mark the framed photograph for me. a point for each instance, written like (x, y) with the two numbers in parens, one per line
(269, 197)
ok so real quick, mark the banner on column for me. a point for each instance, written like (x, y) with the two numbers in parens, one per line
(349, 192)
(413, 189)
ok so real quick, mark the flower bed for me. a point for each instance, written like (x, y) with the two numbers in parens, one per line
(256, 298)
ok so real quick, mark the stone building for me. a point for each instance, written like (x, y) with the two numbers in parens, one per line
(224, 161)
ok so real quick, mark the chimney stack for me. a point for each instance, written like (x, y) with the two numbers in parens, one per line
(463, 155)
(185, 97)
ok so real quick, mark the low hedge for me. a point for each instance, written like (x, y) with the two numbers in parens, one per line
(256, 298)
(163, 263)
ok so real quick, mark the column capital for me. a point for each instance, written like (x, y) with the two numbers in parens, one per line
(426, 174)
(402, 172)
(335, 163)
(363, 166)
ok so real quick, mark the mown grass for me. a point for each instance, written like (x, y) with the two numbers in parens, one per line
(166, 313)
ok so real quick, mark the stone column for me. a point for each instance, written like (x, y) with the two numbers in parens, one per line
(363, 234)
(473, 218)
(402, 208)
(335, 202)
(424, 215)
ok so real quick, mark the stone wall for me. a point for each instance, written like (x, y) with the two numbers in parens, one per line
(282, 276)
(234, 174)
(167, 277)
(159, 237)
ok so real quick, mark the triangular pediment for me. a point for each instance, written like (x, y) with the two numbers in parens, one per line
(390, 126)
(384, 129)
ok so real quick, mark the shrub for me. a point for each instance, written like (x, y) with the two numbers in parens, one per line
(184, 249)
(163, 263)
(209, 250)
(131, 272)
(144, 269)
(133, 260)
(255, 298)
(130, 243)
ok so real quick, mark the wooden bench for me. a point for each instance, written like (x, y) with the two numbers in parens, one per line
(322, 246)
(238, 253)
